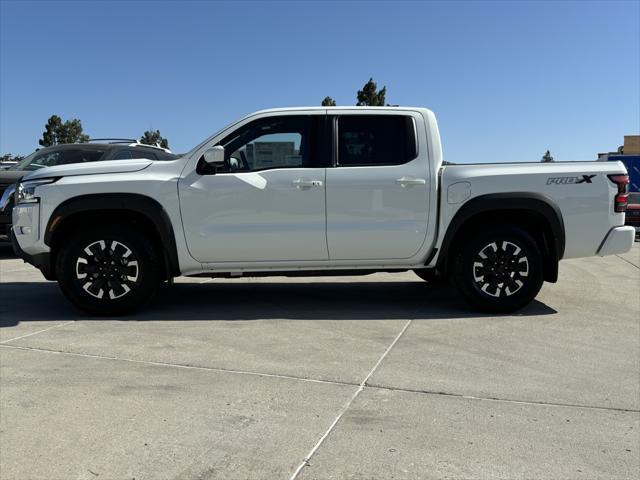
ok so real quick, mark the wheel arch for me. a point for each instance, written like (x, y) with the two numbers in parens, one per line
(536, 213)
(119, 207)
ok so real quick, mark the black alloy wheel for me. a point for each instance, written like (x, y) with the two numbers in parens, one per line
(109, 270)
(499, 270)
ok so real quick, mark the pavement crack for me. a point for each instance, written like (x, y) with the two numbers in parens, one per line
(346, 406)
(360, 387)
(175, 365)
(36, 333)
(630, 263)
(505, 400)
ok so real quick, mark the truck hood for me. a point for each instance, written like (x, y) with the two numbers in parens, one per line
(90, 168)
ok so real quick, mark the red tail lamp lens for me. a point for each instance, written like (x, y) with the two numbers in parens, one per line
(621, 198)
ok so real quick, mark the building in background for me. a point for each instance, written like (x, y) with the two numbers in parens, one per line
(629, 154)
(268, 154)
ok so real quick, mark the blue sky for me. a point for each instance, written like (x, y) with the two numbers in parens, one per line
(507, 80)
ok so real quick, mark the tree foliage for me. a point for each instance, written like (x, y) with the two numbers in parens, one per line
(56, 132)
(369, 96)
(328, 102)
(547, 158)
(153, 137)
(71, 132)
(51, 129)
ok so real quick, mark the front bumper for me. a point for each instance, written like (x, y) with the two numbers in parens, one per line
(618, 240)
(25, 239)
(41, 261)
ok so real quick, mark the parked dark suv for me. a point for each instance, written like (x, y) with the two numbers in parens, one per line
(632, 215)
(112, 149)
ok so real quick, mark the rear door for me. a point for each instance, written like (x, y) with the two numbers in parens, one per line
(378, 188)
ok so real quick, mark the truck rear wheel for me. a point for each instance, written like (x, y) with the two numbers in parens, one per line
(499, 270)
(108, 270)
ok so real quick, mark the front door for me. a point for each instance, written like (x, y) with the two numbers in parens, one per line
(378, 191)
(268, 203)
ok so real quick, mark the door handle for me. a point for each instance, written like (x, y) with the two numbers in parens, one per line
(405, 182)
(306, 183)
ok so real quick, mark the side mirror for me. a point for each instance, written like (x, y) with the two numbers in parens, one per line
(214, 156)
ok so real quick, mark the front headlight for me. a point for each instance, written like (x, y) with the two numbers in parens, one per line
(25, 191)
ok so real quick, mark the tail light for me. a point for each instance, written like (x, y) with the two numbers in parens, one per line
(621, 198)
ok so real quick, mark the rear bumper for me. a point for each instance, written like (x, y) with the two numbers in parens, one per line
(618, 240)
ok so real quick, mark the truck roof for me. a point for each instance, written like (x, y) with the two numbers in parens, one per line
(337, 107)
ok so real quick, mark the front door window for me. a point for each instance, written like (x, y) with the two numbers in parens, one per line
(276, 142)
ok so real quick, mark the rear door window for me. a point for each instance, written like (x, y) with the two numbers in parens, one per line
(370, 140)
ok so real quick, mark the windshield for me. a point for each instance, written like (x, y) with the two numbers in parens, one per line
(51, 158)
(24, 161)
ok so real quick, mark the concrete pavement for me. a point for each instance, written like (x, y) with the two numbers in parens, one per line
(382, 376)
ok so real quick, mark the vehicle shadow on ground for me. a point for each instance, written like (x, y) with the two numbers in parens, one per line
(218, 301)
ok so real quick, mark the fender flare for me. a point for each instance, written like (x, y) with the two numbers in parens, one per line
(151, 209)
(534, 202)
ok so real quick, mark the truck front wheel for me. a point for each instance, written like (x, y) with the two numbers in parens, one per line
(499, 270)
(108, 270)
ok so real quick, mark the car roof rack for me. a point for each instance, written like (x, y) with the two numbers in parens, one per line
(132, 142)
(156, 146)
(113, 140)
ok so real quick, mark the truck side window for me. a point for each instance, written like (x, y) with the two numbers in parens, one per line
(143, 153)
(122, 155)
(276, 142)
(376, 140)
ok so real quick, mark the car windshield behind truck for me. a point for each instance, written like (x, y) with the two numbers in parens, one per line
(59, 157)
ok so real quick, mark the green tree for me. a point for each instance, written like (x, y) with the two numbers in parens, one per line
(51, 129)
(71, 132)
(369, 96)
(547, 158)
(153, 137)
(56, 132)
(328, 102)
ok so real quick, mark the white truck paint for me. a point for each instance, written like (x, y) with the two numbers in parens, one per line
(326, 217)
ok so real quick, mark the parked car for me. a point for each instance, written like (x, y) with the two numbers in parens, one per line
(66, 154)
(4, 165)
(632, 217)
(317, 191)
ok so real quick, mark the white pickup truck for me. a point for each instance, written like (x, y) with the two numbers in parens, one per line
(317, 191)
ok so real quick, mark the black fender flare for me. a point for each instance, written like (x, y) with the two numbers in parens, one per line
(529, 201)
(151, 209)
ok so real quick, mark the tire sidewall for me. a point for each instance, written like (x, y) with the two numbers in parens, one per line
(148, 271)
(462, 272)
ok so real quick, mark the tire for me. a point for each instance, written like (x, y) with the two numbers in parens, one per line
(508, 277)
(429, 275)
(128, 279)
